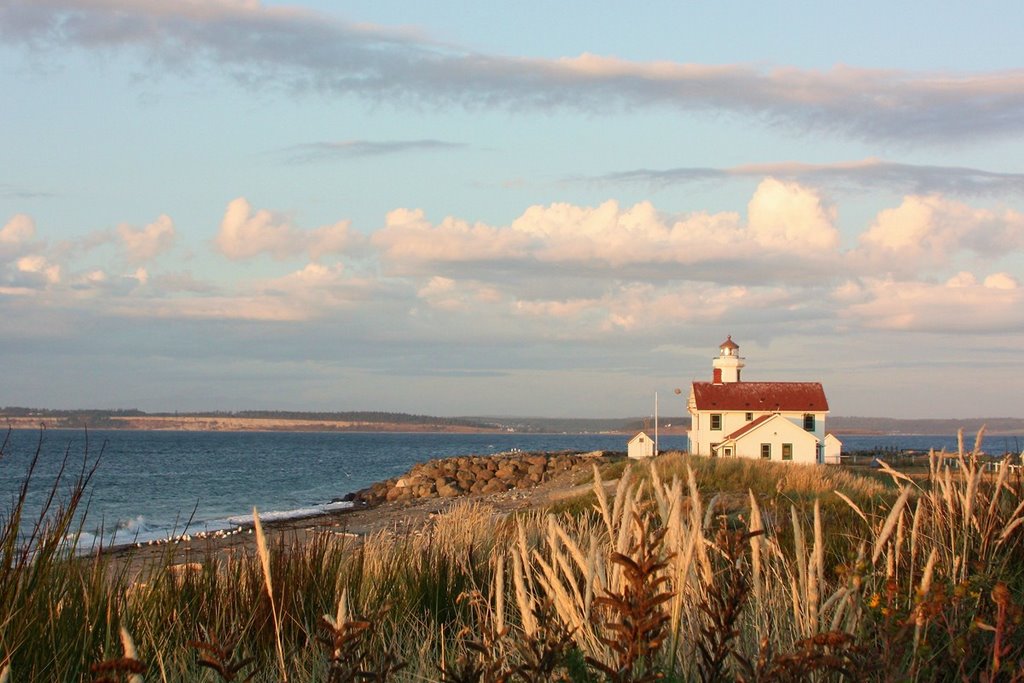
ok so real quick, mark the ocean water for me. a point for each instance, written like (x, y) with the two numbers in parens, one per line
(150, 485)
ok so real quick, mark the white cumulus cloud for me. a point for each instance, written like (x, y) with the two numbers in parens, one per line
(928, 230)
(962, 303)
(246, 233)
(145, 244)
(38, 266)
(790, 217)
(786, 220)
(464, 295)
(16, 236)
(408, 238)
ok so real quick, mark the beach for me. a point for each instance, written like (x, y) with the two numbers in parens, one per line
(344, 526)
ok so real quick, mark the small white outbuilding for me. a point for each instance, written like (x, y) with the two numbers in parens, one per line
(640, 446)
(833, 449)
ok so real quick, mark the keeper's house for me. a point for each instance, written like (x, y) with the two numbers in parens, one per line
(769, 420)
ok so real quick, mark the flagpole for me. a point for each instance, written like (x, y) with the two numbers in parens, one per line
(656, 423)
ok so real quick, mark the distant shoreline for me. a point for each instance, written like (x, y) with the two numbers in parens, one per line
(425, 424)
(247, 424)
(240, 424)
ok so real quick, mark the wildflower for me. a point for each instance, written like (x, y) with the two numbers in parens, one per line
(875, 600)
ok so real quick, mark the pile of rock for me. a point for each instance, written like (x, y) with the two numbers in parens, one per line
(450, 477)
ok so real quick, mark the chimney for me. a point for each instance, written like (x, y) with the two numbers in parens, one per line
(717, 376)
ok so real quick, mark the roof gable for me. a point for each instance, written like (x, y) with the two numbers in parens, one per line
(750, 426)
(639, 437)
(805, 397)
(773, 421)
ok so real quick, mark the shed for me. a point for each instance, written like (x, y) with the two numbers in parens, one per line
(640, 446)
(833, 449)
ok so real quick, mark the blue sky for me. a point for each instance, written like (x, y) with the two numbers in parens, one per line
(516, 209)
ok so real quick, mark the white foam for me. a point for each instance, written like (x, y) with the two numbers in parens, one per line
(135, 524)
(298, 513)
(139, 531)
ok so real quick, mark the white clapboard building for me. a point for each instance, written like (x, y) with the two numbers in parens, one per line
(782, 421)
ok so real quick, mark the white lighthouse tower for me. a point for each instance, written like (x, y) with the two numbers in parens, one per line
(726, 368)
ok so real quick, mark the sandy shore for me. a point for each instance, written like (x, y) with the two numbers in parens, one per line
(395, 517)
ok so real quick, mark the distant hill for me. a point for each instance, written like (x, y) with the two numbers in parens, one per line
(272, 420)
(385, 421)
(938, 427)
(580, 425)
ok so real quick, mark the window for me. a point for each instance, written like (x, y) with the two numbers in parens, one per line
(787, 451)
(716, 421)
(766, 451)
(750, 416)
(728, 451)
(809, 422)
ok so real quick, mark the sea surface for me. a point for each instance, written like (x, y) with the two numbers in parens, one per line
(152, 485)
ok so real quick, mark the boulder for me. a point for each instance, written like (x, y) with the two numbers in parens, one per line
(448, 491)
(505, 474)
(495, 486)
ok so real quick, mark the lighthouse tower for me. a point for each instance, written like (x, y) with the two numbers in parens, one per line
(726, 368)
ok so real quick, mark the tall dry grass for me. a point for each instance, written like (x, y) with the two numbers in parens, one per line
(686, 568)
(929, 574)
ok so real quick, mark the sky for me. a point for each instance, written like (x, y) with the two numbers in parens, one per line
(519, 209)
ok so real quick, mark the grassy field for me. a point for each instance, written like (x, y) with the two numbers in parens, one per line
(683, 568)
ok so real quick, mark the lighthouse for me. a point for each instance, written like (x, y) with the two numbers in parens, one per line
(782, 421)
(726, 368)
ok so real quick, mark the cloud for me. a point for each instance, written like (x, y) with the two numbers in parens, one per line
(102, 287)
(450, 295)
(594, 274)
(636, 307)
(145, 244)
(316, 290)
(311, 293)
(865, 174)
(786, 221)
(929, 230)
(407, 239)
(16, 236)
(248, 308)
(245, 234)
(181, 282)
(791, 218)
(306, 50)
(961, 304)
(35, 272)
(16, 192)
(354, 149)
(296, 297)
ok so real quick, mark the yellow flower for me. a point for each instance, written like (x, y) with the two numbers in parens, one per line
(874, 601)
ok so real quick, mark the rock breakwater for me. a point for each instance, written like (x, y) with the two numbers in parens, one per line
(483, 474)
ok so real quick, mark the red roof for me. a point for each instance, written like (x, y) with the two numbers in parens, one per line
(804, 397)
(728, 343)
